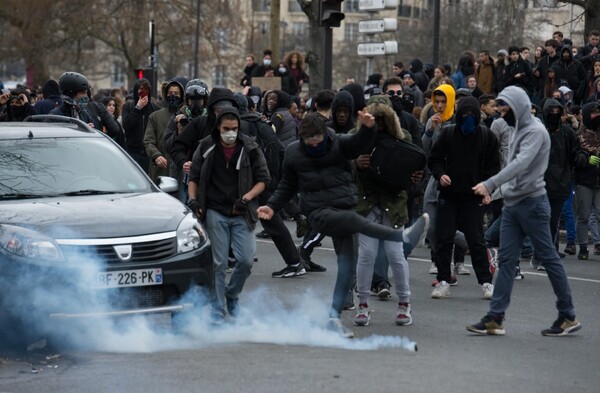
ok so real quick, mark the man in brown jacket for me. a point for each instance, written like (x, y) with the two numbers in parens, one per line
(485, 72)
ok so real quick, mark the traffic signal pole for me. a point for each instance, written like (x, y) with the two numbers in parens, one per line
(328, 59)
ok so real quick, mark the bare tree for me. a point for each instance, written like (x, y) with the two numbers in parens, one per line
(591, 13)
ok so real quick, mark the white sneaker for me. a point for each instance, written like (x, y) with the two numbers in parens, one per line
(403, 317)
(459, 268)
(441, 290)
(488, 290)
(415, 234)
(363, 315)
(433, 269)
(335, 325)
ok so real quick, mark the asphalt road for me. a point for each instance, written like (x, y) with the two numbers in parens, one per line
(279, 344)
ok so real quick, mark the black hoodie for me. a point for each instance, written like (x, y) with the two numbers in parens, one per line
(466, 159)
(135, 120)
(574, 73)
(344, 99)
(358, 96)
(51, 99)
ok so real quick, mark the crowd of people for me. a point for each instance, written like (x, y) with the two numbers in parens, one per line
(512, 151)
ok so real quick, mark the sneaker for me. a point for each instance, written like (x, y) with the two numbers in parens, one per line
(403, 317)
(570, 249)
(518, 274)
(290, 271)
(441, 290)
(415, 233)
(232, 307)
(561, 327)
(488, 290)
(459, 268)
(584, 255)
(489, 326)
(263, 235)
(217, 316)
(301, 226)
(596, 249)
(383, 291)
(363, 315)
(535, 265)
(433, 269)
(315, 267)
(452, 281)
(492, 255)
(335, 325)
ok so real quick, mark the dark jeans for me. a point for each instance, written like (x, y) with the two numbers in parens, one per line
(556, 207)
(279, 233)
(466, 215)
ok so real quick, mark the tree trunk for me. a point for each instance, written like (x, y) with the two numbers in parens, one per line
(592, 13)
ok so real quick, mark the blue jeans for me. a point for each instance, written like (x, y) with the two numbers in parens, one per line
(568, 216)
(224, 231)
(530, 217)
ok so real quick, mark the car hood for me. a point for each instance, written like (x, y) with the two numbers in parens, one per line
(96, 216)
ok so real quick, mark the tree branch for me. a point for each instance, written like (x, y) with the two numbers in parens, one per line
(581, 3)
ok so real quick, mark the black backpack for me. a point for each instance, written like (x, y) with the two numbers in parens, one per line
(393, 161)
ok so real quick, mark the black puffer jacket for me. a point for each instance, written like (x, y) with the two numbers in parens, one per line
(326, 180)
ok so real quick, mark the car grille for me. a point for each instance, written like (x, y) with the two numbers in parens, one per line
(141, 297)
(150, 251)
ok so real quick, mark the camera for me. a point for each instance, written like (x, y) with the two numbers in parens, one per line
(183, 121)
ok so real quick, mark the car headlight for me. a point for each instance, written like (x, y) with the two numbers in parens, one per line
(29, 244)
(190, 234)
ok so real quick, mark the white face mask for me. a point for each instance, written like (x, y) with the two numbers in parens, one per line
(229, 137)
(282, 70)
(267, 62)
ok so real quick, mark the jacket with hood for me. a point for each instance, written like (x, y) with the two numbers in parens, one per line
(485, 76)
(574, 73)
(593, 93)
(370, 194)
(342, 99)
(523, 176)
(358, 96)
(326, 180)
(157, 124)
(421, 79)
(51, 99)
(565, 154)
(589, 175)
(431, 135)
(250, 168)
(286, 127)
(519, 67)
(135, 120)
(466, 159)
(200, 127)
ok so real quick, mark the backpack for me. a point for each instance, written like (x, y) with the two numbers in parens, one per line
(271, 147)
(393, 161)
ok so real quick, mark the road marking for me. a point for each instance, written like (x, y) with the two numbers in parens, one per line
(429, 261)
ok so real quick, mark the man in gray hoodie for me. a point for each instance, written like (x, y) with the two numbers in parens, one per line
(526, 213)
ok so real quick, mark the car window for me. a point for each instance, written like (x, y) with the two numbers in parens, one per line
(53, 166)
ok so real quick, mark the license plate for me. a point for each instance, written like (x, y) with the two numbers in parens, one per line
(129, 278)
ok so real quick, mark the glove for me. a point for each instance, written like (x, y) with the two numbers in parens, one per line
(194, 205)
(594, 160)
(240, 206)
(301, 226)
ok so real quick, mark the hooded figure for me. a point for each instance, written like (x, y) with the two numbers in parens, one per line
(342, 109)
(51, 99)
(450, 94)
(421, 79)
(573, 72)
(173, 94)
(358, 96)
(283, 121)
(200, 127)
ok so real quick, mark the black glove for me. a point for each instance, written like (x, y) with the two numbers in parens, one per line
(240, 206)
(194, 205)
(301, 226)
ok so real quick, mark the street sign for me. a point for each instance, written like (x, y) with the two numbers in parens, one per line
(375, 5)
(377, 48)
(377, 25)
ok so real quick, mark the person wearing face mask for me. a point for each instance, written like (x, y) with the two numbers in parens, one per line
(465, 154)
(74, 92)
(196, 98)
(266, 67)
(587, 185)
(288, 82)
(16, 106)
(574, 73)
(565, 155)
(318, 167)
(227, 175)
(173, 94)
(526, 212)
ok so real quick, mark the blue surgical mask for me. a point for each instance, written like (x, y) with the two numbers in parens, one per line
(469, 124)
(282, 70)
(267, 62)
(317, 150)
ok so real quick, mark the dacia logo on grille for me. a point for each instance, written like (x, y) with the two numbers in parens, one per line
(123, 252)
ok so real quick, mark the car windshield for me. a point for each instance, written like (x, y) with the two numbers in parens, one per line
(31, 168)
